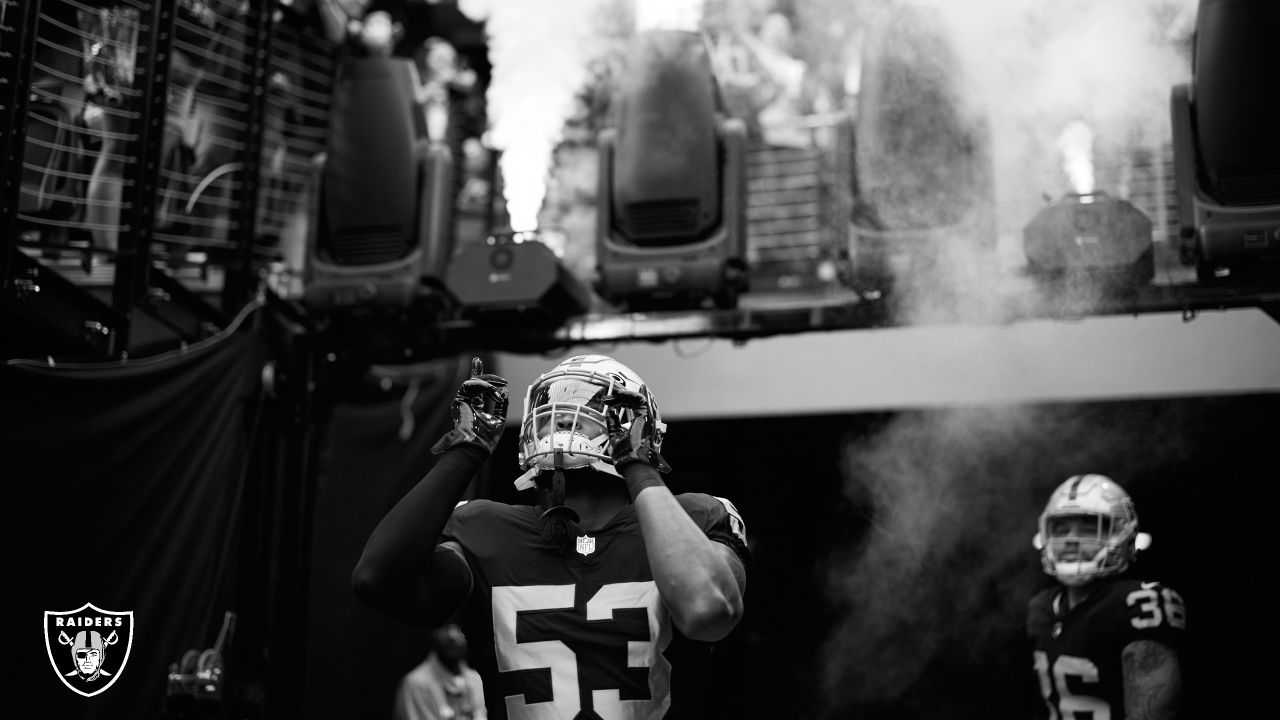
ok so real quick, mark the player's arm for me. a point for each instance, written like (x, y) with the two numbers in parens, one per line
(701, 581)
(1152, 680)
(404, 572)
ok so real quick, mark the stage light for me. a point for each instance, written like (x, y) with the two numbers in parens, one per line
(923, 159)
(380, 198)
(1226, 147)
(671, 221)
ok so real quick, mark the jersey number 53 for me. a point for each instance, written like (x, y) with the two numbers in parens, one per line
(562, 662)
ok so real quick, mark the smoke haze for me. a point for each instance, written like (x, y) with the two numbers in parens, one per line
(999, 81)
(948, 567)
(1035, 66)
(944, 574)
(539, 50)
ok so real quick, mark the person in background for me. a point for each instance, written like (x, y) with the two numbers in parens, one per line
(443, 686)
(603, 598)
(448, 84)
(1103, 641)
(773, 47)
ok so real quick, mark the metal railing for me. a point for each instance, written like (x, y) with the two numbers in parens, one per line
(156, 151)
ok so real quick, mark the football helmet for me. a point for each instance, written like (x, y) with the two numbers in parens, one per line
(566, 418)
(1088, 530)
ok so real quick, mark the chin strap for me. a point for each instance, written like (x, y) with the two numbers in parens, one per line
(557, 480)
(529, 479)
(558, 519)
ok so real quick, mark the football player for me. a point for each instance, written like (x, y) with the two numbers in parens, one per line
(603, 598)
(1104, 643)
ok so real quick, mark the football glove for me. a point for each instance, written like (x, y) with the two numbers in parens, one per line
(479, 412)
(636, 441)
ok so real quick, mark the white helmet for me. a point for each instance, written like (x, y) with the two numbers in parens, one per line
(1088, 530)
(565, 417)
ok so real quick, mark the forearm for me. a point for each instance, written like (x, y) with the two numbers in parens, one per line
(1152, 681)
(400, 572)
(698, 578)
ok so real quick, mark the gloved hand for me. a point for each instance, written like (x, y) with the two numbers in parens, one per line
(479, 412)
(635, 442)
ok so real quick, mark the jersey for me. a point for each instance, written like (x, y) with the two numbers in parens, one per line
(1077, 653)
(556, 631)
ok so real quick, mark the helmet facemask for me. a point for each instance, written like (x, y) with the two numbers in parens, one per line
(1081, 547)
(567, 414)
(1088, 530)
(565, 411)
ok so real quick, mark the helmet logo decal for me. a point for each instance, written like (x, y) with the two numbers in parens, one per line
(88, 647)
(586, 545)
(566, 410)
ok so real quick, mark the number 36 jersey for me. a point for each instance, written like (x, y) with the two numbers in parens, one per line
(579, 631)
(1077, 652)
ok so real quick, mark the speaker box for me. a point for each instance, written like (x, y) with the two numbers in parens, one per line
(1094, 235)
(506, 280)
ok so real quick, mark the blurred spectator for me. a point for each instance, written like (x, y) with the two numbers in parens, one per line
(773, 49)
(110, 46)
(52, 159)
(747, 87)
(110, 53)
(448, 93)
(762, 80)
(446, 83)
(443, 686)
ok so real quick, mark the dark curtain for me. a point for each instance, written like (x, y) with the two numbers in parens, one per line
(129, 478)
(376, 446)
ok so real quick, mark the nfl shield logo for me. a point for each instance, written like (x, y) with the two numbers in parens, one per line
(88, 647)
(586, 545)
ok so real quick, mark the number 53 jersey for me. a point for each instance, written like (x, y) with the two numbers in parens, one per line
(1077, 652)
(579, 632)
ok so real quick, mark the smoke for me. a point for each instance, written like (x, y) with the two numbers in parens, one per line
(961, 112)
(1036, 66)
(1076, 145)
(1024, 71)
(539, 50)
(941, 581)
(668, 14)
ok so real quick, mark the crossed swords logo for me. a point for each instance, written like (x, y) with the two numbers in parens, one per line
(85, 634)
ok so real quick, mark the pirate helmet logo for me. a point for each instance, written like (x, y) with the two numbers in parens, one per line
(88, 647)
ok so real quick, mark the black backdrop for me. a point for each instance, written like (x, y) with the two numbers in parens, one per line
(892, 555)
(132, 482)
(378, 444)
